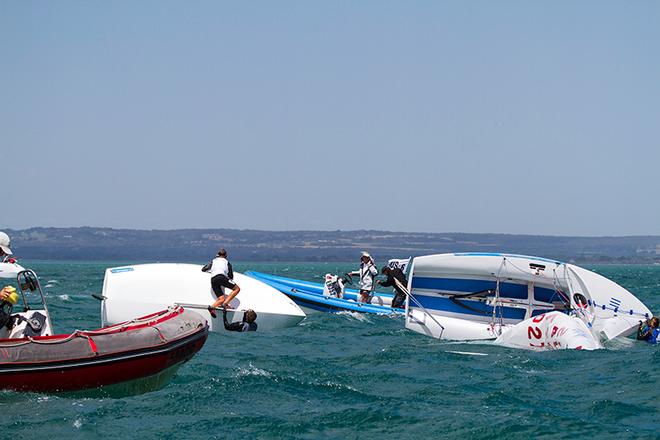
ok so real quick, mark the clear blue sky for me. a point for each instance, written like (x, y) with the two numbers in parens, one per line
(515, 117)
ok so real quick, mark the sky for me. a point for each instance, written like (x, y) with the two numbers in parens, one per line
(514, 117)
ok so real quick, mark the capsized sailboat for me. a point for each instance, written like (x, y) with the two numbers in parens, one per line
(130, 291)
(465, 296)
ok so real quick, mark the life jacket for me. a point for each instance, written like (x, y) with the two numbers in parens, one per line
(655, 336)
(7, 305)
(644, 331)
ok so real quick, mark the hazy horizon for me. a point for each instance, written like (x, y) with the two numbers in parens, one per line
(532, 118)
(333, 230)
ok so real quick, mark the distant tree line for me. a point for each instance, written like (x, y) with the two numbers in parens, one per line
(88, 243)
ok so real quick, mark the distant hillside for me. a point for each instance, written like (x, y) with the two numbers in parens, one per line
(89, 243)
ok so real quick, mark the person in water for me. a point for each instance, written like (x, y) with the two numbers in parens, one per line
(396, 279)
(367, 272)
(248, 323)
(5, 250)
(222, 276)
(649, 330)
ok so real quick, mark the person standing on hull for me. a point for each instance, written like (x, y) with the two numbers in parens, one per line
(396, 279)
(367, 272)
(5, 250)
(222, 275)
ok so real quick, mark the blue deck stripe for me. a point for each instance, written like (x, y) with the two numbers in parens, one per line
(496, 254)
(447, 305)
(507, 290)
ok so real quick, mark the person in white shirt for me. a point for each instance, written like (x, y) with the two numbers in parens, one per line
(222, 276)
(367, 272)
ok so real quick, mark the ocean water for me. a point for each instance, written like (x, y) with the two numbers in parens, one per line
(353, 376)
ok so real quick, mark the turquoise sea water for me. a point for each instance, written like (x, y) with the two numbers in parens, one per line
(353, 376)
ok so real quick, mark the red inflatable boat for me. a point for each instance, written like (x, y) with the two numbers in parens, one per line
(33, 360)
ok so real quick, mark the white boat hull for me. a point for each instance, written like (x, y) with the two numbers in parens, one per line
(136, 290)
(463, 296)
(446, 327)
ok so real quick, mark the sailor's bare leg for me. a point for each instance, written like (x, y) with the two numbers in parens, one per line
(218, 302)
(232, 295)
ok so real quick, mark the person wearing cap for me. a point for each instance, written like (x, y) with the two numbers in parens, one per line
(222, 276)
(367, 272)
(5, 250)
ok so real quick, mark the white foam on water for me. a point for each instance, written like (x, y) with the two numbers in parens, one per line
(64, 297)
(362, 317)
(339, 386)
(468, 353)
(251, 370)
(77, 423)
(619, 344)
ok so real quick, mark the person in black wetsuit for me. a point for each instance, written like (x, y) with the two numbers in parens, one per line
(246, 325)
(394, 275)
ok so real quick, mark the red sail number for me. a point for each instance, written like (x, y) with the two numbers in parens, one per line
(533, 331)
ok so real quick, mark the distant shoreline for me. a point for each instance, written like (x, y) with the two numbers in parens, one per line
(117, 245)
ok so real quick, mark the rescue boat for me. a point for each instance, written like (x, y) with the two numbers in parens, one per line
(33, 359)
(311, 297)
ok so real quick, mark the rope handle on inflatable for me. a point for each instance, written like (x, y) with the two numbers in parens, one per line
(88, 333)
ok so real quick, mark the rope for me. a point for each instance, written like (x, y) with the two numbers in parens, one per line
(88, 333)
(497, 298)
(410, 296)
(630, 312)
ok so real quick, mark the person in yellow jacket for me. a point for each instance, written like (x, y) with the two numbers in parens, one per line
(8, 294)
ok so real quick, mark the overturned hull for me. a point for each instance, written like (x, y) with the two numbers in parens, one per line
(129, 291)
(465, 296)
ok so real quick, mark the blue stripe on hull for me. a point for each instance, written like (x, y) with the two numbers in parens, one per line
(308, 286)
(507, 290)
(447, 305)
(316, 301)
(496, 254)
